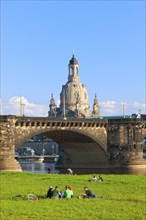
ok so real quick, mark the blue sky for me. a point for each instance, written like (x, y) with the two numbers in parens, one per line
(37, 40)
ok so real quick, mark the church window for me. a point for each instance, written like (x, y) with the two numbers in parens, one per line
(85, 95)
(71, 71)
(77, 72)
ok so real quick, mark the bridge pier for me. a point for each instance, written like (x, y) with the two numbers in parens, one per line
(9, 164)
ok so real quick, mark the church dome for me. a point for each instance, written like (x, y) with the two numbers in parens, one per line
(75, 92)
(73, 96)
(73, 60)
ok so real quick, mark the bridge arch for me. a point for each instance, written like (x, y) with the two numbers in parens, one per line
(77, 143)
(59, 135)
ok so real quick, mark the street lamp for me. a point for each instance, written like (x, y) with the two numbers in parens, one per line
(52, 149)
(123, 104)
(23, 105)
(44, 148)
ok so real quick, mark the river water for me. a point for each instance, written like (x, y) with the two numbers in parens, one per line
(38, 167)
(44, 167)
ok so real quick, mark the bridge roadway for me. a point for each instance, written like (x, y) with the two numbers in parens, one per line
(36, 157)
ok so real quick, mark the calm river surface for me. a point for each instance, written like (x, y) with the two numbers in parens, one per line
(38, 167)
(44, 167)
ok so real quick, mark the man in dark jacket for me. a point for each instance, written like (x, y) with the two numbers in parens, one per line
(88, 193)
(50, 192)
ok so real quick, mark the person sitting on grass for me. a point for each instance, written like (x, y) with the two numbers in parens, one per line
(88, 194)
(50, 192)
(68, 193)
(69, 187)
(100, 179)
(94, 179)
(55, 193)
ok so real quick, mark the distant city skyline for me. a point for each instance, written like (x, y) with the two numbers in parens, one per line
(37, 40)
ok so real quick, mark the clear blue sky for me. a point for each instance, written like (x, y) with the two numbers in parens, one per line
(37, 40)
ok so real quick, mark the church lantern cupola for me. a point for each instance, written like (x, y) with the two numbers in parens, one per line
(73, 69)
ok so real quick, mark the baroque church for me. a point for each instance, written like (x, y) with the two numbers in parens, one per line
(73, 97)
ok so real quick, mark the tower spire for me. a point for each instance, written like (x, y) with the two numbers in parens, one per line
(96, 109)
(52, 105)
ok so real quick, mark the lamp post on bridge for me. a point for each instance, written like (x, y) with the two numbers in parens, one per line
(23, 105)
(123, 105)
(43, 151)
(52, 149)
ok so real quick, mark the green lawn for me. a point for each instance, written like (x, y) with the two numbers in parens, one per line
(124, 197)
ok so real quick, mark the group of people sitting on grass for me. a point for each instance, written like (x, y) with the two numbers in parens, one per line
(94, 179)
(68, 193)
(55, 193)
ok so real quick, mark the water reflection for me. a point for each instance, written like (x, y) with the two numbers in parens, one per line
(38, 167)
(50, 168)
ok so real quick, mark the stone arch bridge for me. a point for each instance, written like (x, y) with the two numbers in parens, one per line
(89, 142)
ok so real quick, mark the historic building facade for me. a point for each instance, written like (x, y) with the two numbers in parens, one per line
(73, 97)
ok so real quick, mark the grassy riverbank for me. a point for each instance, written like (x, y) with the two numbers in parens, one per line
(124, 197)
